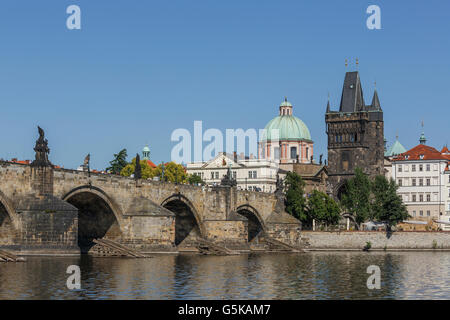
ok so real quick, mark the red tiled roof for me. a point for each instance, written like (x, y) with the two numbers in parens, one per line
(151, 164)
(20, 161)
(445, 150)
(428, 153)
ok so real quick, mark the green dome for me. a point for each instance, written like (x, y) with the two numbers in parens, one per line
(146, 149)
(290, 128)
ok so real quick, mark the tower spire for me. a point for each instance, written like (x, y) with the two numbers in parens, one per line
(375, 100)
(328, 103)
(423, 139)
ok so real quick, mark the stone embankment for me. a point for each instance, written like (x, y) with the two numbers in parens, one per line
(357, 240)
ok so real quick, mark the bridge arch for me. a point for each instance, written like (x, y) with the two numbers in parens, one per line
(187, 218)
(9, 210)
(256, 224)
(98, 215)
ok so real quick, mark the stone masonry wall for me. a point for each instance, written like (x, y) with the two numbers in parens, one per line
(48, 231)
(357, 240)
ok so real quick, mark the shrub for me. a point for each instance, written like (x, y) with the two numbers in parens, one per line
(434, 245)
(367, 246)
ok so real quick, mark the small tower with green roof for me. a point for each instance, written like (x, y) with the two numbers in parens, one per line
(146, 153)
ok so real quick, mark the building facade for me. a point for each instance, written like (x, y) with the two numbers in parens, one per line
(423, 179)
(286, 138)
(355, 135)
(250, 174)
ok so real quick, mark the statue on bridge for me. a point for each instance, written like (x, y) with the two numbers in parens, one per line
(42, 150)
(227, 179)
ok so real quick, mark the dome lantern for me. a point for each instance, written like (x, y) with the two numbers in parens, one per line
(146, 153)
(285, 108)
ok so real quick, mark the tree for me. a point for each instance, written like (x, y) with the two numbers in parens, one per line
(323, 208)
(173, 172)
(356, 197)
(195, 179)
(119, 162)
(295, 200)
(387, 206)
(146, 170)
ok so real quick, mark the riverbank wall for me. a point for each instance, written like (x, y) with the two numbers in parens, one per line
(357, 240)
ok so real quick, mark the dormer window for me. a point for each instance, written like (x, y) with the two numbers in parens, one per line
(421, 157)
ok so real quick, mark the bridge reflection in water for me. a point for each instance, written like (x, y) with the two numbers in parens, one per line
(404, 275)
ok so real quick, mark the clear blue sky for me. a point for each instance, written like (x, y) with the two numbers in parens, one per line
(137, 70)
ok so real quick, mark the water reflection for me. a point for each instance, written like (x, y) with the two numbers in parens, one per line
(404, 275)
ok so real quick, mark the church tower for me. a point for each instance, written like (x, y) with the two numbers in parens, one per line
(355, 135)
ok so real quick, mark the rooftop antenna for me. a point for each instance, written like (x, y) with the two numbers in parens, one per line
(346, 63)
(357, 63)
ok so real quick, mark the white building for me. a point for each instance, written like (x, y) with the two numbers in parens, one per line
(423, 178)
(250, 174)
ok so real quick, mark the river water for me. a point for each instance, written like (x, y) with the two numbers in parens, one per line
(314, 275)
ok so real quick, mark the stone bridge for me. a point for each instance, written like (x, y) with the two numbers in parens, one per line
(48, 210)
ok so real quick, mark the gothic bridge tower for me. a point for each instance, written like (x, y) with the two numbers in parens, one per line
(355, 135)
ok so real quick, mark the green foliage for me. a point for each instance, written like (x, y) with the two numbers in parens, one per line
(375, 200)
(173, 172)
(118, 163)
(195, 179)
(434, 244)
(295, 200)
(367, 246)
(146, 170)
(387, 206)
(356, 197)
(322, 208)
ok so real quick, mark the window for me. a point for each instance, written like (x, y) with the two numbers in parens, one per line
(421, 213)
(428, 212)
(420, 182)
(276, 152)
(414, 198)
(400, 169)
(212, 175)
(428, 197)
(234, 175)
(428, 182)
(252, 174)
(421, 198)
(400, 182)
(413, 168)
(293, 152)
(414, 182)
(420, 167)
(428, 167)
(414, 213)
(217, 174)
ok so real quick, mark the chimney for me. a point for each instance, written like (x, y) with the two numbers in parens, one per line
(251, 156)
(241, 156)
(235, 156)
